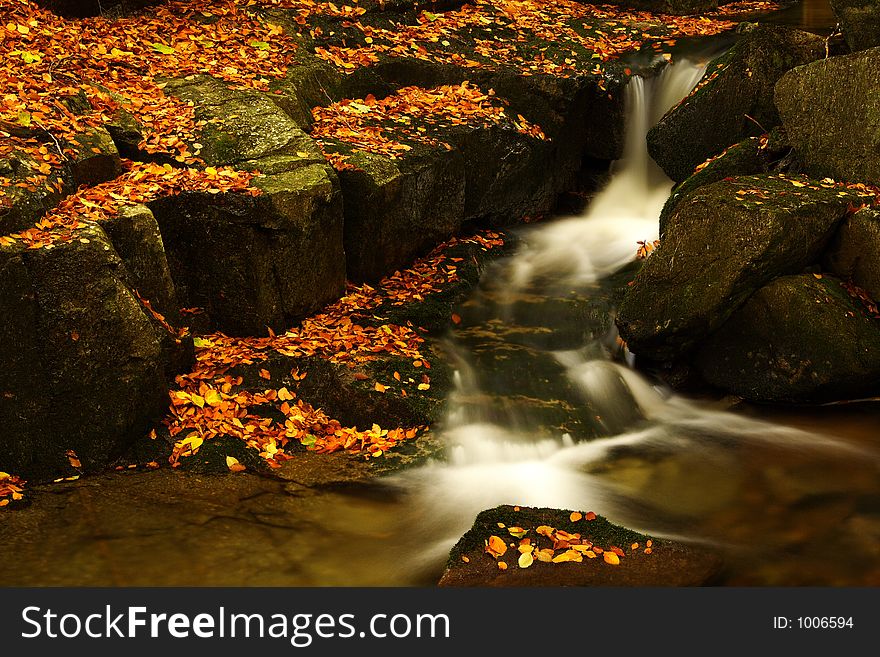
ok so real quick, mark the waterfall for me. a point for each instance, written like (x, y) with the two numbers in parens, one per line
(493, 458)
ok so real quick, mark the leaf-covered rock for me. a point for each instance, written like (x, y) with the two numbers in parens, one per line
(751, 156)
(860, 22)
(800, 338)
(831, 112)
(722, 243)
(733, 101)
(550, 535)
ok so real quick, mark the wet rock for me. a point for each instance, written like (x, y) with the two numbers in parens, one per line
(854, 255)
(832, 117)
(722, 243)
(860, 22)
(396, 210)
(135, 235)
(751, 156)
(668, 564)
(84, 366)
(797, 339)
(257, 261)
(733, 101)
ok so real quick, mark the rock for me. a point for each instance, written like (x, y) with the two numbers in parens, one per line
(396, 210)
(257, 262)
(21, 207)
(83, 365)
(254, 262)
(751, 156)
(831, 112)
(860, 22)
(722, 243)
(733, 101)
(854, 254)
(797, 339)
(95, 158)
(668, 563)
(244, 128)
(135, 235)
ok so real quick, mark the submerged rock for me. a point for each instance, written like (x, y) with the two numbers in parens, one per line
(854, 255)
(800, 338)
(664, 563)
(733, 101)
(83, 364)
(723, 242)
(860, 22)
(831, 112)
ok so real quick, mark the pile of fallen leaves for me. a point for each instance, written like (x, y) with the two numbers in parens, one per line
(11, 489)
(61, 76)
(209, 402)
(143, 182)
(411, 114)
(556, 37)
(551, 545)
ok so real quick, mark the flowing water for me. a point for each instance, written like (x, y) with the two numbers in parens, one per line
(547, 412)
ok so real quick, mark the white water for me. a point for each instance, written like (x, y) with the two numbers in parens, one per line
(494, 463)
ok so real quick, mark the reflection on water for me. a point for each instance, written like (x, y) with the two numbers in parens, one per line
(811, 15)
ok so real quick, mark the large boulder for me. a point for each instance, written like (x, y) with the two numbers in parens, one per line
(831, 112)
(396, 210)
(733, 101)
(722, 243)
(749, 157)
(254, 262)
(84, 365)
(854, 254)
(514, 537)
(800, 338)
(860, 22)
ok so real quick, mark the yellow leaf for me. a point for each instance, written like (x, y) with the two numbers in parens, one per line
(611, 558)
(213, 397)
(526, 559)
(233, 464)
(198, 400)
(496, 546)
(379, 387)
(568, 555)
(575, 516)
(517, 532)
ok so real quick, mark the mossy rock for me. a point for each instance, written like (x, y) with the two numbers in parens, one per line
(667, 564)
(257, 261)
(831, 112)
(749, 157)
(722, 243)
(733, 101)
(85, 367)
(854, 254)
(860, 22)
(798, 339)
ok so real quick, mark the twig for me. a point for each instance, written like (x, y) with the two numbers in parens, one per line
(54, 140)
(757, 123)
(837, 32)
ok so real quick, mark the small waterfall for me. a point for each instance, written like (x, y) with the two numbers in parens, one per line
(650, 450)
